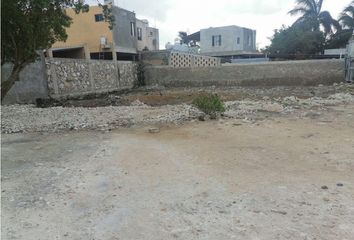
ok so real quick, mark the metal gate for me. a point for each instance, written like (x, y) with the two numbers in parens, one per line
(349, 62)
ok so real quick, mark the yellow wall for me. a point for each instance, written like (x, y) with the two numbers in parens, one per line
(85, 30)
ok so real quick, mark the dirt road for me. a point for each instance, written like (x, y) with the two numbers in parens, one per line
(283, 177)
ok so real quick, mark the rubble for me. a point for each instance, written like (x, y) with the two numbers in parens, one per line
(154, 130)
(28, 118)
(138, 103)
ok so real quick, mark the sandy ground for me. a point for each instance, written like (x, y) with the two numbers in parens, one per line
(283, 177)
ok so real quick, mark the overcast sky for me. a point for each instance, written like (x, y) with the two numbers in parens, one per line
(171, 16)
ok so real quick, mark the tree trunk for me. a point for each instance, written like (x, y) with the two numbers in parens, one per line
(7, 84)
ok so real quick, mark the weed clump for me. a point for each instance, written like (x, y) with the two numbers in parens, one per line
(210, 104)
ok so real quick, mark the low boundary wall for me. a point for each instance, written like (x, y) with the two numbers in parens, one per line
(310, 72)
(31, 85)
(73, 77)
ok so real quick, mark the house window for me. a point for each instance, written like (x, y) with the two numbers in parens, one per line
(140, 34)
(249, 40)
(99, 17)
(216, 40)
(132, 29)
(238, 40)
(151, 34)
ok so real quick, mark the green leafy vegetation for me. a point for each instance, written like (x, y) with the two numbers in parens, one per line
(314, 30)
(296, 40)
(141, 74)
(30, 26)
(210, 104)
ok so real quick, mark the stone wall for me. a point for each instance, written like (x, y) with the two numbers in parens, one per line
(311, 72)
(68, 77)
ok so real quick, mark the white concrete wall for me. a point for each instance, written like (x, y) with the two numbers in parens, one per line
(337, 51)
(32, 84)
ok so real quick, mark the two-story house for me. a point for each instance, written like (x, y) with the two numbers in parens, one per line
(228, 41)
(89, 36)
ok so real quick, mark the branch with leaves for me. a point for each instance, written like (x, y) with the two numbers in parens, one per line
(29, 26)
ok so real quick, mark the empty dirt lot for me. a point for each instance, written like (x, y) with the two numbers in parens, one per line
(284, 176)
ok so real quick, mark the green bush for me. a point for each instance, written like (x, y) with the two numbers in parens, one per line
(210, 104)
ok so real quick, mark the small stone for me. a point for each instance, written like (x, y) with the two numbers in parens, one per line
(201, 118)
(154, 130)
(324, 187)
(266, 98)
(279, 212)
(340, 184)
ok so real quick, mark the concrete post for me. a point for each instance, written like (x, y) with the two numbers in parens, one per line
(54, 77)
(50, 53)
(117, 79)
(87, 52)
(92, 80)
(114, 56)
(44, 69)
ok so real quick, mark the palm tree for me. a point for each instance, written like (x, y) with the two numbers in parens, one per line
(313, 17)
(347, 17)
(341, 37)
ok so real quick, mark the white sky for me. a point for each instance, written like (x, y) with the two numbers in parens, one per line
(171, 16)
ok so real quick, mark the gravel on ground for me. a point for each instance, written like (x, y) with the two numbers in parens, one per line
(29, 118)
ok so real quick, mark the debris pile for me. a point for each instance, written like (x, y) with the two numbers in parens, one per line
(28, 118)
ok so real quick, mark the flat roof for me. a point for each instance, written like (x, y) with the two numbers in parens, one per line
(229, 26)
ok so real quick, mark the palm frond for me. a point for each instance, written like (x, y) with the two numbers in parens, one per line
(319, 6)
(326, 21)
(349, 10)
(310, 4)
(298, 10)
(347, 21)
(336, 25)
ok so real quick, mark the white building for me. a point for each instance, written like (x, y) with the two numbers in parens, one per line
(227, 41)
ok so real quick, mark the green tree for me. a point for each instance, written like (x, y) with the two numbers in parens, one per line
(347, 17)
(313, 16)
(296, 40)
(342, 36)
(183, 37)
(30, 26)
(339, 39)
